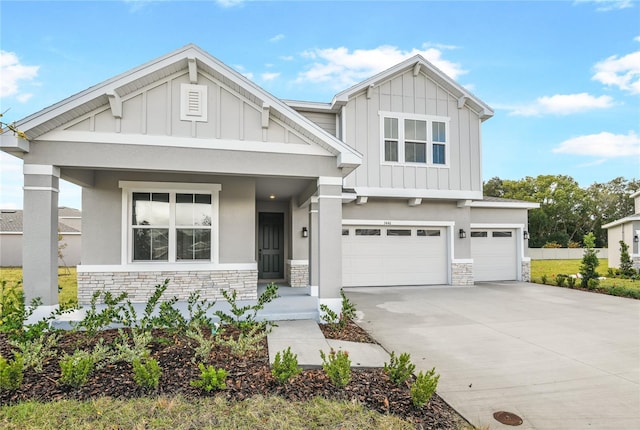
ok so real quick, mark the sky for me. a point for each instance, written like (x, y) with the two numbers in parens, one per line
(563, 77)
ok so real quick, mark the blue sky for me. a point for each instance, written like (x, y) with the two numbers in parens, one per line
(562, 76)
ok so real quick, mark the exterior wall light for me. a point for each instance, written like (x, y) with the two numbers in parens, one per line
(305, 232)
(635, 238)
(525, 235)
(462, 234)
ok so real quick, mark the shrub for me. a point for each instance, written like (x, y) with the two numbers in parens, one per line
(285, 366)
(424, 387)
(146, 372)
(246, 342)
(552, 245)
(95, 320)
(244, 317)
(34, 352)
(210, 378)
(589, 262)
(571, 282)
(574, 245)
(593, 283)
(400, 368)
(11, 373)
(204, 344)
(337, 366)
(347, 313)
(76, 368)
(626, 264)
(561, 280)
(544, 279)
(129, 347)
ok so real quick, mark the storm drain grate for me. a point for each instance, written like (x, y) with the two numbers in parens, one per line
(507, 418)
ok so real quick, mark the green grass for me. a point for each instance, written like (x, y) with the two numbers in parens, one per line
(208, 413)
(67, 281)
(551, 268)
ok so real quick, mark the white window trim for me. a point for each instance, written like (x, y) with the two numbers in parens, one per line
(430, 119)
(129, 187)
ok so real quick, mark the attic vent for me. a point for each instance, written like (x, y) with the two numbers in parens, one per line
(193, 102)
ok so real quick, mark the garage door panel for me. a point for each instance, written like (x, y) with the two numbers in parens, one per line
(397, 259)
(494, 256)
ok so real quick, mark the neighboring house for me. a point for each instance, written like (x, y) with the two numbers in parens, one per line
(70, 238)
(190, 171)
(628, 230)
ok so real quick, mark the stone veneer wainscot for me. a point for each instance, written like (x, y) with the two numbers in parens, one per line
(140, 285)
(462, 274)
(297, 273)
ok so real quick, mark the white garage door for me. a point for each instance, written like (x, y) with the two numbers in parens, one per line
(494, 254)
(375, 255)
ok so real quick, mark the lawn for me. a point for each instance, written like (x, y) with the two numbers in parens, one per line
(67, 281)
(551, 268)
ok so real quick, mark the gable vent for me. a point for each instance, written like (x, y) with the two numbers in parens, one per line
(193, 102)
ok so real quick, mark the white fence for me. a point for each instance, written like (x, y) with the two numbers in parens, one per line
(562, 253)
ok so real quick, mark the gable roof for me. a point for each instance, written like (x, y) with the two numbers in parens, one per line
(11, 220)
(419, 64)
(182, 59)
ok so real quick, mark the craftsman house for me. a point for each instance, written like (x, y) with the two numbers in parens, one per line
(190, 171)
(626, 229)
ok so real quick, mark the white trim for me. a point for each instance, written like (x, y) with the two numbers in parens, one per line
(506, 205)
(166, 267)
(520, 242)
(13, 233)
(496, 225)
(329, 180)
(624, 220)
(314, 290)
(330, 197)
(387, 223)
(418, 193)
(298, 262)
(41, 169)
(171, 186)
(462, 261)
(55, 190)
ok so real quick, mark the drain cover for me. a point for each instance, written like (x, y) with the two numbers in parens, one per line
(507, 418)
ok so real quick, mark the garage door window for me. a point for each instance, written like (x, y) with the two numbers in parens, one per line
(398, 232)
(367, 232)
(478, 234)
(426, 233)
(501, 234)
(345, 232)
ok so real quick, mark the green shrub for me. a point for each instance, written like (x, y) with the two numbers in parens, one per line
(626, 263)
(11, 373)
(95, 320)
(128, 347)
(210, 378)
(423, 387)
(400, 368)
(347, 313)
(245, 317)
(34, 352)
(589, 262)
(571, 282)
(204, 344)
(285, 366)
(337, 366)
(76, 368)
(544, 279)
(198, 310)
(246, 342)
(561, 280)
(593, 283)
(146, 372)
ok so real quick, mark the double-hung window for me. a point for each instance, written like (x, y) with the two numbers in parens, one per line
(414, 139)
(170, 222)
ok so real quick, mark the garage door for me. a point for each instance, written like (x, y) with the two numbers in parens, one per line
(494, 254)
(375, 255)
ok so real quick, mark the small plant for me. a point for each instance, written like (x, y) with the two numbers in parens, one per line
(146, 372)
(198, 310)
(347, 313)
(328, 315)
(337, 366)
(35, 352)
(244, 317)
(128, 348)
(210, 378)
(544, 279)
(285, 366)
(626, 263)
(204, 344)
(593, 284)
(400, 368)
(589, 262)
(561, 280)
(571, 282)
(11, 373)
(423, 387)
(246, 342)
(76, 368)
(95, 320)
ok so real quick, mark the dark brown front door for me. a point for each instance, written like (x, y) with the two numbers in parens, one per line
(270, 245)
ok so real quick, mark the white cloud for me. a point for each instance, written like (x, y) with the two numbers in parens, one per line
(270, 76)
(608, 5)
(622, 72)
(12, 71)
(636, 39)
(248, 75)
(603, 145)
(343, 68)
(276, 38)
(229, 3)
(286, 57)
(563, 104)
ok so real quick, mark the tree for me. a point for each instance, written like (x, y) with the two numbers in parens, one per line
(589, 262)
(626, 264)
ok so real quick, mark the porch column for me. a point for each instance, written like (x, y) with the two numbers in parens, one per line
(40, 233)
(313, 246)
(329, 237)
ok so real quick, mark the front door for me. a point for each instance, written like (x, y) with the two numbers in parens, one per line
(270, 245)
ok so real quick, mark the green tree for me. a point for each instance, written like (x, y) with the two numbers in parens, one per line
(626, 264)
(589, 262)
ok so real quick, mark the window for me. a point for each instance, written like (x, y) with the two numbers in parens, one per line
(171, 225)
(478, 234)
(398, 232)
(345, 232)
(415, 139)
(501, 234)
(367, 232)
(432, 233)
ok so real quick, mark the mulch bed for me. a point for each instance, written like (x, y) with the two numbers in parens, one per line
(248, 375)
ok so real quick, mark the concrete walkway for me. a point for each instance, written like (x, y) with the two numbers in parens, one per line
(558, 358)
(306, 340)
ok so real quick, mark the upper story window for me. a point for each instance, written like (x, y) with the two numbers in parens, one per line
(170, 224)
(414, 139)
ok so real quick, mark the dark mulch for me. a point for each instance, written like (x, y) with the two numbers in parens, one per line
(248, 375)
(350, 332)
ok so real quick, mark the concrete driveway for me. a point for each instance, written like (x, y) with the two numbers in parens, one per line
(558, 358)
